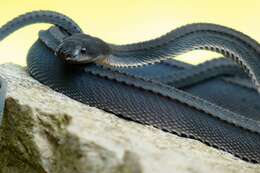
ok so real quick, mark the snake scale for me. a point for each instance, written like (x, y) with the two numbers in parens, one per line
(91, 71)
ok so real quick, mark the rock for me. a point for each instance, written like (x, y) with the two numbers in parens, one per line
(46, 132)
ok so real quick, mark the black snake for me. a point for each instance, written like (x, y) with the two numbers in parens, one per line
(89, 70)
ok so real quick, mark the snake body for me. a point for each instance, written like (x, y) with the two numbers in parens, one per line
(138, 98)
(201, 72)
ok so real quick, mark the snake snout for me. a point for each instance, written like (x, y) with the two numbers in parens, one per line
(71, 53)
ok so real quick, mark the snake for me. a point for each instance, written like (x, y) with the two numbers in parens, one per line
(87, 69)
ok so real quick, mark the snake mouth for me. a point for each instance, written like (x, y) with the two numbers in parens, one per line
(81, 59)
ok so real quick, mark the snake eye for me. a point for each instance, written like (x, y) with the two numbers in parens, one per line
(83, 50)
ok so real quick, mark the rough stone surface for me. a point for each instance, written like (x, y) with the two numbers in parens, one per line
(46, 132)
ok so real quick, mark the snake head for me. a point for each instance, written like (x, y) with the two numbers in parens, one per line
(82, 49)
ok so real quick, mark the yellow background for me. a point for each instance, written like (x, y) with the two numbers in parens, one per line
(125, 21)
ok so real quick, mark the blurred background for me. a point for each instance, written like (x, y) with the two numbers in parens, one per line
(127, 21)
